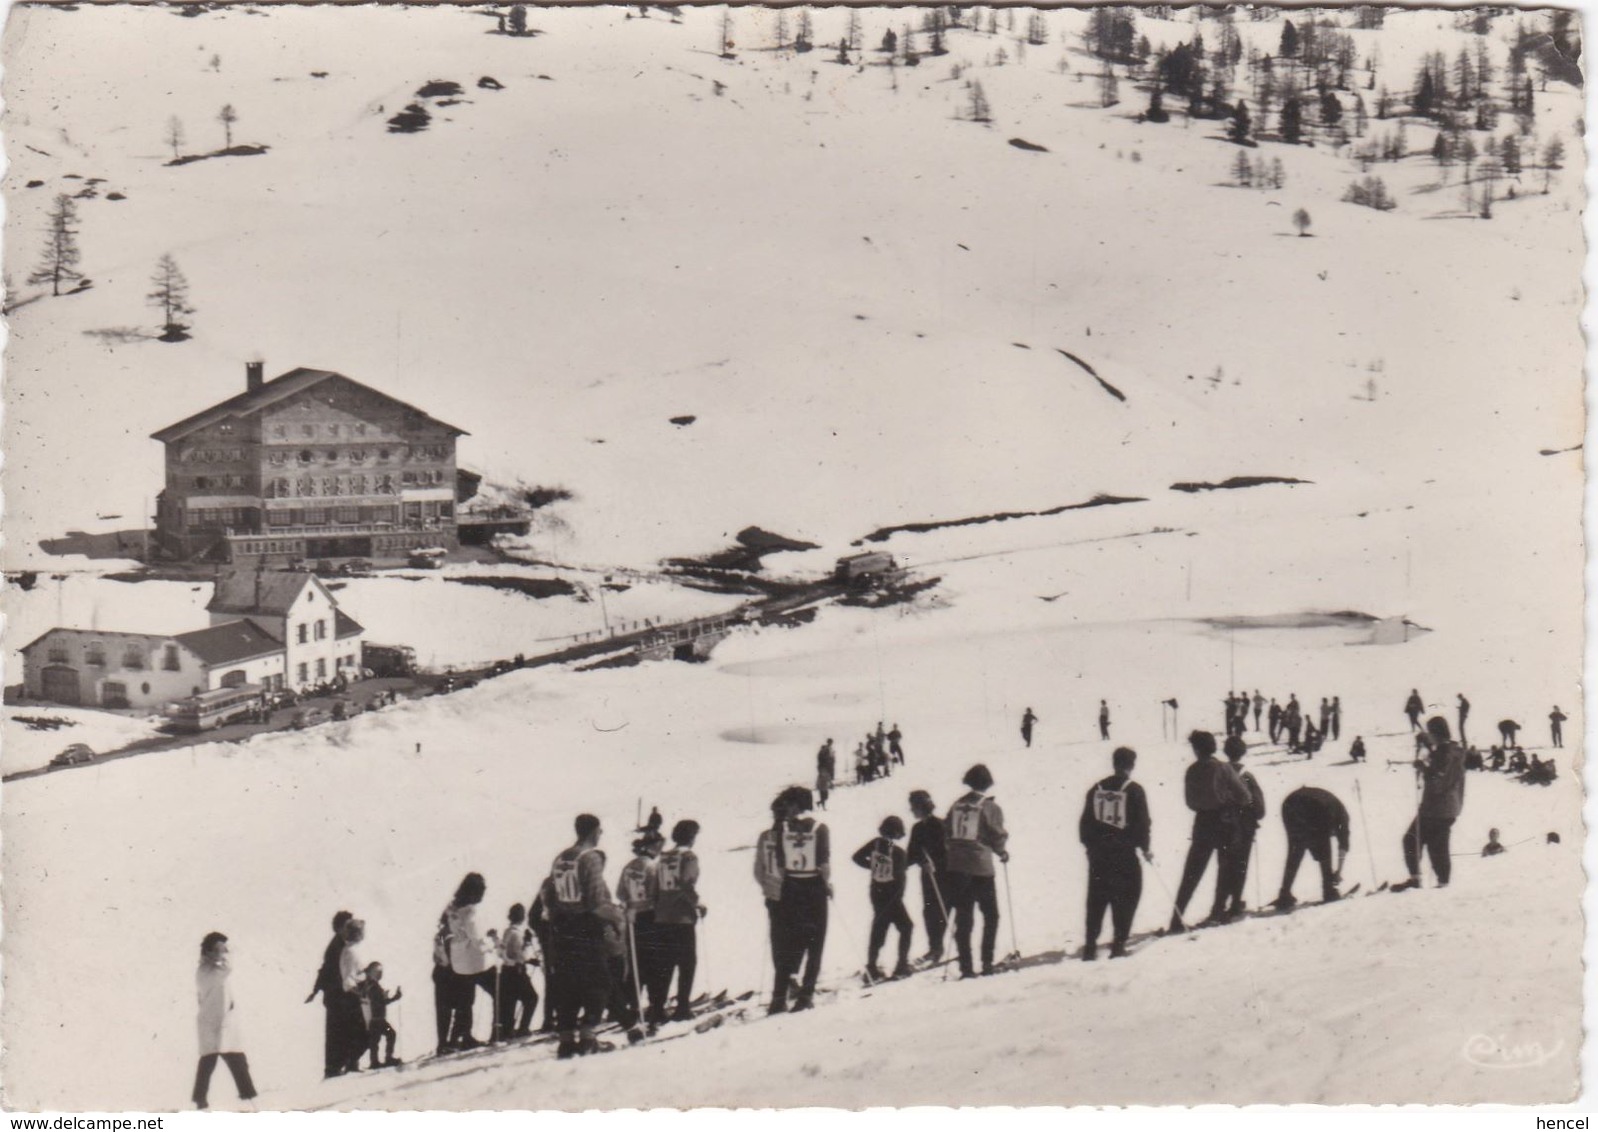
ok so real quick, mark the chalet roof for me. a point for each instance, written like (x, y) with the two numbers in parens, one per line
(273, 392)
(270, 592)
(230, 642)
(346, 626)
(101, 633)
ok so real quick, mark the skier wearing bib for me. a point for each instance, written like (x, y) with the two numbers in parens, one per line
(768, 872)
(677, 911)
(579, 906)
(804, 857)
(887, 863)
(1313, 818)
(927, 849)
(637, 892)
(1114, 828)
(976, 833)
(1214, 794)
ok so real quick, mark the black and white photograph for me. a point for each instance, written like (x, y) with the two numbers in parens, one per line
(601, 557)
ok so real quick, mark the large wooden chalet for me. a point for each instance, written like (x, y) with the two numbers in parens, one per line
(309, 465)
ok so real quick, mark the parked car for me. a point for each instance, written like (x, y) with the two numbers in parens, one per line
(429, 558)
(355, 567)
(308, 717)
(73, 756)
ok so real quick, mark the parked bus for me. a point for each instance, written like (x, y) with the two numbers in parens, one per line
(213, 708)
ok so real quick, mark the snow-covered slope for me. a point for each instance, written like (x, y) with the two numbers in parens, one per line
(861, 299)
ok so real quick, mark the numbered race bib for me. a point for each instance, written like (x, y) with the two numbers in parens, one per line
(634, 887)
(964, 821)
(881, 867)
(798, 851)
(1109, 807)
(568, 889)
(668, 874)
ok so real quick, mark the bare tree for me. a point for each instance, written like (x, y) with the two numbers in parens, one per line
(174, 135)
(171, 297)
(227, 116)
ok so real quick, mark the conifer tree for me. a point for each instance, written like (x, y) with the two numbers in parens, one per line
(59, 262)
(171, 297)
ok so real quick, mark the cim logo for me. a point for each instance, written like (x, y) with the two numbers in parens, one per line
(1496, 1053)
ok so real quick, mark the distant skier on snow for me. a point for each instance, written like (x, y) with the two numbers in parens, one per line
(895, 749)
(1114, 828)
(1413, 707)
(975, 828)
(1104, 720)
(1507, 730)
(1464, 714)
(1028, 720)
(1313, 818)
(1442, 798)
(1556, 726)
(887, 863)
(928, 849)
(1259, 706)
(1356, 752)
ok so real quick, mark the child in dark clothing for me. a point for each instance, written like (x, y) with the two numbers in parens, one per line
(888, 865)
(374, 1004)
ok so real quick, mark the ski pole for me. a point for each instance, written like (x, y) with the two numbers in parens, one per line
(1175, 911)
(943, 909)
(1365, 826)
(1258, 896)
(1009, 907)
(632, 955)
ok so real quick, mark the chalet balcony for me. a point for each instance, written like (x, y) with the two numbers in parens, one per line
(335, 530)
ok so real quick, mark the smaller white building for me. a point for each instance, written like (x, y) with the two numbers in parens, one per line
(279, 630)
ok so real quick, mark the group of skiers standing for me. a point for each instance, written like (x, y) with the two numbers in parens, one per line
(1228, 807)
(874, 757)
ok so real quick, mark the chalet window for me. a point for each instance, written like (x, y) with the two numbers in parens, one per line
(321, 630)
(346, 515)
(302, 640)
(332, 430)
(330, 485)
(358, 455)
(382, 453)
(305, 456)
(315, 516)
(95, 654)
(303, 678)
(132, 657)
(332, 455)
(280, 431)
(385, 485)
(170, 660)
(57, 653)
(413, 510)
(277, 458)
(307, 430)
(321, 668)
(201, 483)
(277, 518)
(446, 509)
(408, 479)
(226, 429)
(360, 429)
(357, 485)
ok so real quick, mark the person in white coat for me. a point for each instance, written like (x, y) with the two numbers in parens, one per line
(218, 1022)
(472, 955)
(351, 973)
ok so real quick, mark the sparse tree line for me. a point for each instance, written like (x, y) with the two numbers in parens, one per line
(61, 256)
(176, 137)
